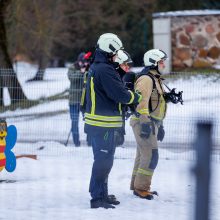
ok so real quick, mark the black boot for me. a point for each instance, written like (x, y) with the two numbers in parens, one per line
(145, 194)
(111, 199)
(154, 193)
(100, 203)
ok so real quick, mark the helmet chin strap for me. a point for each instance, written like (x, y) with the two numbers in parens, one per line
(110, 57)
(115, 64)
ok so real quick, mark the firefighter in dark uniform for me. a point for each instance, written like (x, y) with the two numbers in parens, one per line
(105, 93)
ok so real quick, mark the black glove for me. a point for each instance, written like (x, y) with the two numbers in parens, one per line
(137, 97)
(119, 138)
(131, 110)
(146, 130)
(161, 133)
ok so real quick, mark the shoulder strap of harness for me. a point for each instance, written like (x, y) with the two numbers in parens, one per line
(150, 75)
(154, 87)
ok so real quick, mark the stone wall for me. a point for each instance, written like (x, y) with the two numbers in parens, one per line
(195, 41)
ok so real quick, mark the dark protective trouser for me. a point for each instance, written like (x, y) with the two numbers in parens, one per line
(103, 150)
(74, 115)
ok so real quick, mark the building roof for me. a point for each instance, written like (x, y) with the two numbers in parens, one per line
(185, 13)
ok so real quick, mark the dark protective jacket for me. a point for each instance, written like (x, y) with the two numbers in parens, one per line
(105, 92)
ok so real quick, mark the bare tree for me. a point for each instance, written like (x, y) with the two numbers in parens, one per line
(45, 14)
(7, 75)
(36, 25)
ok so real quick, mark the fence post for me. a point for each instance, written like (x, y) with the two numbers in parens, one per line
(202, 170)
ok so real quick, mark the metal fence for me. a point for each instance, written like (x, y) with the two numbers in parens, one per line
(40, 109)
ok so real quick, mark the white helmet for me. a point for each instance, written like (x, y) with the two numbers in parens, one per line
(109, 43)
(152, 57)
(123, 57)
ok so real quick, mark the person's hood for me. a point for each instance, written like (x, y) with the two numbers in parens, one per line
(101, 57)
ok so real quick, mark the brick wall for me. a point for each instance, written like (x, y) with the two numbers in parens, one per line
(195, 41)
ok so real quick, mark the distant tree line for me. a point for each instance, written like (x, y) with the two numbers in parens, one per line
(46, 29)
(62, 28)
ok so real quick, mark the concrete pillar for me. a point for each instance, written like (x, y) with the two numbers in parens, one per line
(162, 38)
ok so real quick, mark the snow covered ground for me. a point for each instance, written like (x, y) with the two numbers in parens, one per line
(56, 185)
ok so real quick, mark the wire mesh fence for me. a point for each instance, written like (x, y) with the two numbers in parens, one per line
(56, 185)
(41, 110)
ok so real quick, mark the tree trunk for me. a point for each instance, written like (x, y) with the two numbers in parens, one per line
(8, 77)
(1, 92)
(41, 69)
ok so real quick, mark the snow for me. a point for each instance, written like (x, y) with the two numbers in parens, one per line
(186, 13)
(217, 67)
(55, 186)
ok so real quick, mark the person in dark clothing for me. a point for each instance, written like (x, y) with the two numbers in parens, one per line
(105, 93)
(124, 63)
(75, 75)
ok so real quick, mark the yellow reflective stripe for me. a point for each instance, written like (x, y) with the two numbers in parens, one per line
(103, 124)
(145, 172)
(83, 97)
(92, 96)
(143, 111)
(119, 107)
(103, 118)
(134, 118)
(132, 97)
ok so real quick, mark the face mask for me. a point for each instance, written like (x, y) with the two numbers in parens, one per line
(160, 69)
(161, 66)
